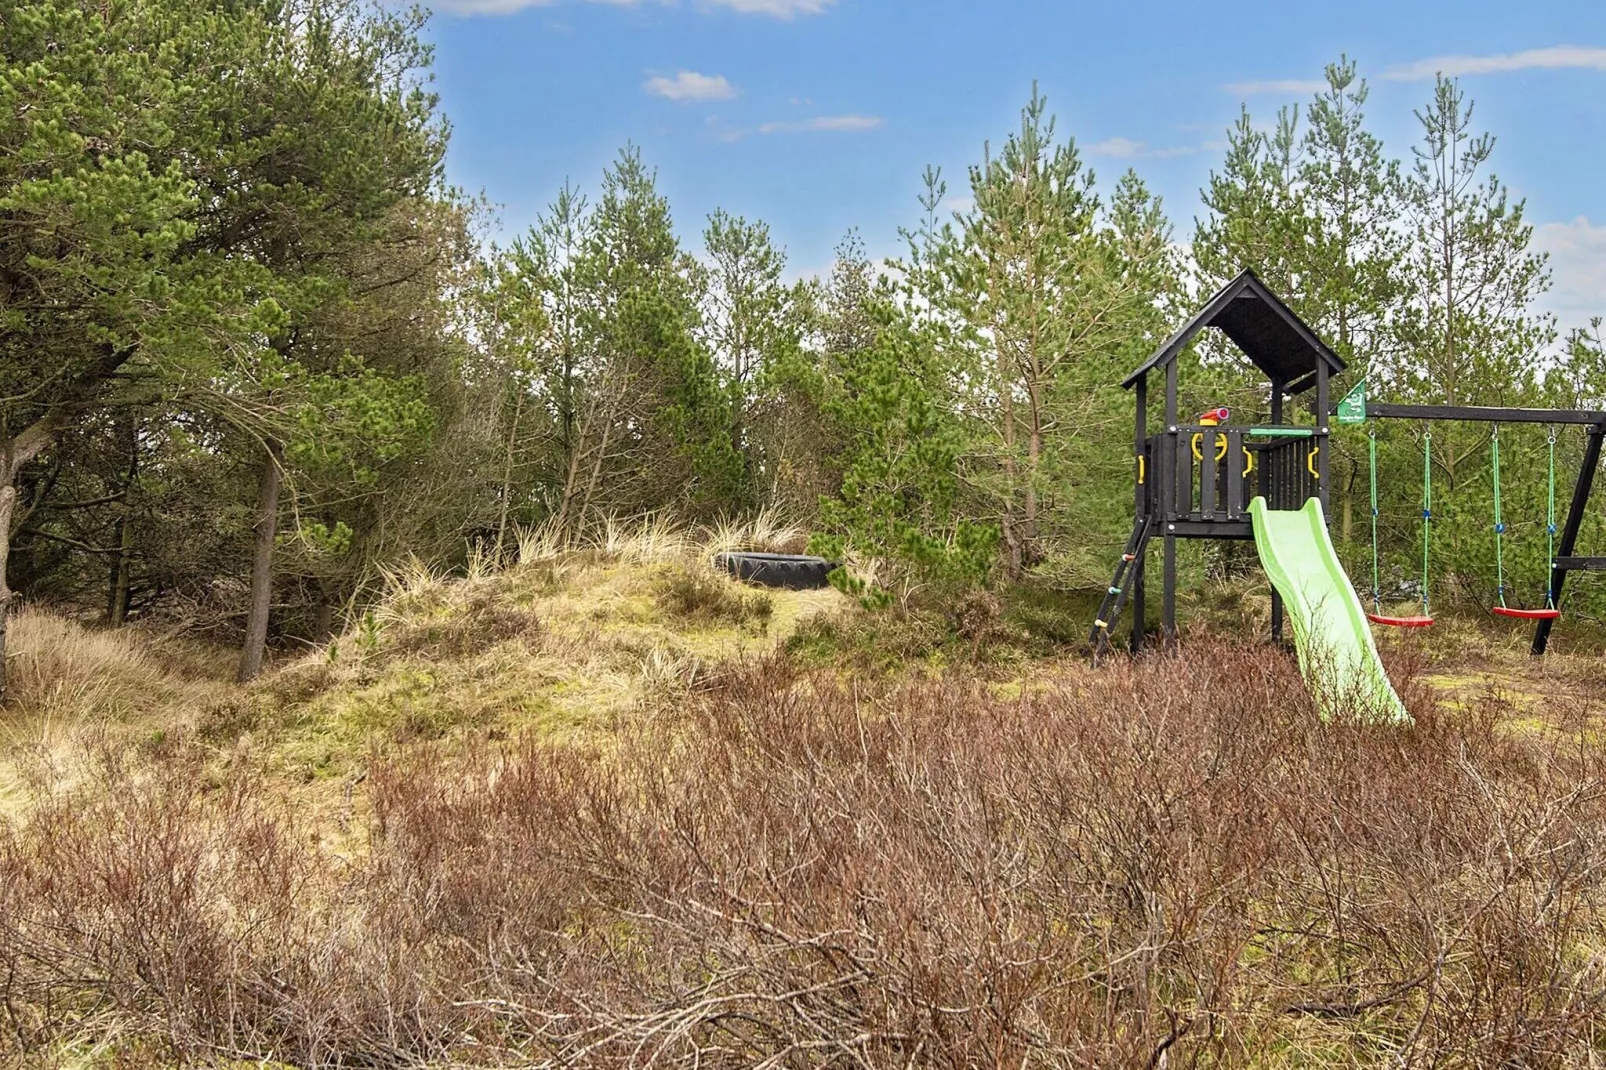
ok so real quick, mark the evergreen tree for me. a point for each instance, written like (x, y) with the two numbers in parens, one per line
(896, 515)
(754, 324)
(1037, 299)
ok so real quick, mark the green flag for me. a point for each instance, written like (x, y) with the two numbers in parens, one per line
(1352, 410)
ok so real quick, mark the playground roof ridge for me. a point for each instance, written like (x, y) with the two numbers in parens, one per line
(1260, 324)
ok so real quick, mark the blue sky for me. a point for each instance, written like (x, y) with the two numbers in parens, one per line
(821, 115)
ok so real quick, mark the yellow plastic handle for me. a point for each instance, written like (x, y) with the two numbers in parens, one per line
(1249, 461)
(1221, 446)
(1142, 468)
(1310, 461)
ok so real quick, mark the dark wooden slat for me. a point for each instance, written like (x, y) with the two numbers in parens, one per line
(1235, 475)
(1486, 414)
(1209, 473)
(1211, 529)
(1581, 564)
(1183, 471)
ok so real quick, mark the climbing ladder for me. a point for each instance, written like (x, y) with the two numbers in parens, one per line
(1126, 571)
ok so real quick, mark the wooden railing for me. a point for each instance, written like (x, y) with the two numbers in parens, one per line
(1209, 474)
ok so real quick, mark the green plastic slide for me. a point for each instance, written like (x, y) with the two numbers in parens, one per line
(1331, 633)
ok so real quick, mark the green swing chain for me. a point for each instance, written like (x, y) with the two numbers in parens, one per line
(1371, 459)
(1550, 525)
(1427, 510)
(1427, 513)
(1499, 524)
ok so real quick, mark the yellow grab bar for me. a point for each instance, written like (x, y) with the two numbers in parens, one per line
(1221, 446)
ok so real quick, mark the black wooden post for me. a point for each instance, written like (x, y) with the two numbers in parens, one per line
(1322, 441)
(1139, 607)
(1168, 577)
(1141, 500)
(1276, 419)
(1569, 534)
(1140, 435)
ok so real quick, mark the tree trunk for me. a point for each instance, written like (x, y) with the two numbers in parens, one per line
(1030, 554)
(121, 575)
(8, 505)
(121, 579)
(323, 622)
(507, 474)
(266, 530)
(1348, 525)
(1006, 405)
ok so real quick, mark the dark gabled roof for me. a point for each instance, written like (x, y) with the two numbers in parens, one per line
(1274, 339)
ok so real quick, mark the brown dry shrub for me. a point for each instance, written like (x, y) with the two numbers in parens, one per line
(1173, 860)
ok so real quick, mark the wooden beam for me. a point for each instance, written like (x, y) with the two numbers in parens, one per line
(1485, 414)
(1569, 534)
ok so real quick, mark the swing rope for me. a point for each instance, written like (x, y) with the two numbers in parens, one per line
(1371, 458)
(1550, 525)
(1427, 510)
(1499, 523)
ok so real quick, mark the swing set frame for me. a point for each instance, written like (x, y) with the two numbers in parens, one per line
(1565, 559)
(1195, 479)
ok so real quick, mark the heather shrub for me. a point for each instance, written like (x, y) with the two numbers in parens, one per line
(1171, 861)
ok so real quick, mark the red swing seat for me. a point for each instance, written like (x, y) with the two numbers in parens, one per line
(1399, 622)
(1526, 614)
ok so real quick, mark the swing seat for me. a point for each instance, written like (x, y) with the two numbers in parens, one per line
(1399, 622)
(1526, 614)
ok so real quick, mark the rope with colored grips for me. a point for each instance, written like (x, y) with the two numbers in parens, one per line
(1427, 510)
(1371, 458)
(1499, 522)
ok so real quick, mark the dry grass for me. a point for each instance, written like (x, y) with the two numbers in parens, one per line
(70, 685)
(58, 668)
(1174, 862)
(569, 644)
(587, 810)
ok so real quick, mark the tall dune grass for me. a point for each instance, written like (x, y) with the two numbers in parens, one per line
(58, 667)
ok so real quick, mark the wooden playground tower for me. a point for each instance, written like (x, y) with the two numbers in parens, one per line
(1195, 480)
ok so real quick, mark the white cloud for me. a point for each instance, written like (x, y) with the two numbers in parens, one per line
(1578, 265)
(780, 9)
(1560, 57)
(488, 7)
(1124, 148)
(689, 85)
(1278, 85)
(836, 123)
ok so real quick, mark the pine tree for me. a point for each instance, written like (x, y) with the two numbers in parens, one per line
(1037, 298)
(754, 327)
(896, 513)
